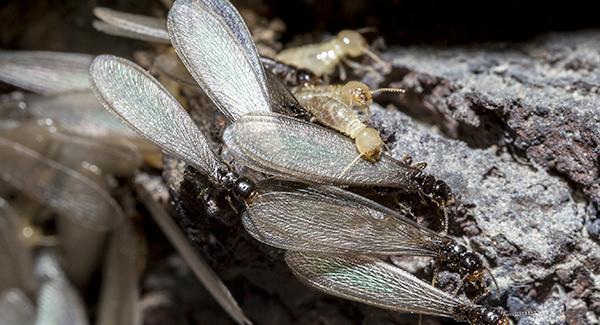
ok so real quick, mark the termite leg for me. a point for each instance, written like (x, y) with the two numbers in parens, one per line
(342, 72)
(407, 159)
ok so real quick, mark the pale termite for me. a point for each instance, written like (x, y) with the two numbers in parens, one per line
(322, 58)
(329, 220)
(372, 281)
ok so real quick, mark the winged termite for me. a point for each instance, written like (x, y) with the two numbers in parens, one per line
(45, 73)
(69, 104)
(371, 281)
(58, 302)
(276, 145)
(197, 264)
(322, 58)
(329, 220)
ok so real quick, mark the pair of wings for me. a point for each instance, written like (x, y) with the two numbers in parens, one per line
(325, 219)
(215, 45)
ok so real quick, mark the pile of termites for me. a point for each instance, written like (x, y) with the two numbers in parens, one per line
(84, 122)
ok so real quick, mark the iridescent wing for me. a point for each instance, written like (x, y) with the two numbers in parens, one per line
(215, 45)
(67, 191)
(45, 73)
(330, 220)
(146, 106)
(134, 26)
(298, 150)
(371, 281)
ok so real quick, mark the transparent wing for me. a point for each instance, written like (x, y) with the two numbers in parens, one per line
(119, 301)
(197, 264)
(45, 73)
(298, 150)
(330, 220)
(371, 281)
(67, 191)
(215, 45)
(79, 113)
(145, 105)
(16, 308)
(124, 24)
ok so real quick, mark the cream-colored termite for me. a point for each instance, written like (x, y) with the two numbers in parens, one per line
(353, 93)
(322, 58)
(332, 105)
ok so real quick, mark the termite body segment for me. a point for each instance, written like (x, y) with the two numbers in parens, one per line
(339, 116)
(322, 58)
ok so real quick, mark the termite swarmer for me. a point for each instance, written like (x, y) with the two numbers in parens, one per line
(322, 58)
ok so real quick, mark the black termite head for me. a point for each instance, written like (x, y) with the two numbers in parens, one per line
(305, 77)
(468, 264)
(484, 315)
(438, 190)
(241, 187)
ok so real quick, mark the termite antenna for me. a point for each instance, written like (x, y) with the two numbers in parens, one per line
(489, 272)
(366, 30)
(389, 90)
(524, 313)
(376, 58)
(352, 163)
(446, 221)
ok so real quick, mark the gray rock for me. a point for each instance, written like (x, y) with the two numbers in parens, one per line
(541, 96)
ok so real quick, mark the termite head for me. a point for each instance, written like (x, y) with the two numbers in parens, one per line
(369, 143)
(487, 316)
(358, 93)
(352, 42)
(305, 77)
(243, 188)
(439, 190)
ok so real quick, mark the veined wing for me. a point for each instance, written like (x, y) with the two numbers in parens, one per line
(215, 45)
(327, 219)
(78, 113)
(45, 73)
(298, 150)
(146, 106)
(67, 191)
(124, 24)
(371, 281)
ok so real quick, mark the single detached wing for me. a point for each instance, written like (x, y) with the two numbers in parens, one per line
(65, 190)
(327, 219)
(146, 106)
(299, 150)
(45, 73)
(371, 281)
(215, 45)
(124, 24)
